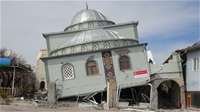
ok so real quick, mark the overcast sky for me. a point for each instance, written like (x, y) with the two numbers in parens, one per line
(165, 25)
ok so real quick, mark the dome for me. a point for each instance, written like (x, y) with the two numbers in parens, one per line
(88, 15)
(94, 35)
(93, 40)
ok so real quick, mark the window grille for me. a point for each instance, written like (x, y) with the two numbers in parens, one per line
(91, 25)
(64, 51)
(132, 43)
(81, 26)
(100, 24)
(68, 72)
(116, 44)
(95, 46)
(73, 50)
(83, 48)
(125, 43)
(106, 45)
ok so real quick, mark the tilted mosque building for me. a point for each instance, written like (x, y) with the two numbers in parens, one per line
(94, 55)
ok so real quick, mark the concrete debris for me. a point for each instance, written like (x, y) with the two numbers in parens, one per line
(89, 106)
(19, 101)
(135, 110)
(171, 110)
(122, 104)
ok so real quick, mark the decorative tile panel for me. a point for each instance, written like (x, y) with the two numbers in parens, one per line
(108, 65)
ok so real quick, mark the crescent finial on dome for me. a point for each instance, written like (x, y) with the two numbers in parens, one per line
(86, 5)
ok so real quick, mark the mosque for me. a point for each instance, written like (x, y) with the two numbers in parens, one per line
(94, 55)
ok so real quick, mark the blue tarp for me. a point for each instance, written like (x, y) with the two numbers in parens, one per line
(4, 61)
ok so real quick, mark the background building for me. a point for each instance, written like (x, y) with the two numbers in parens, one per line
(191, 65)
(40, 82)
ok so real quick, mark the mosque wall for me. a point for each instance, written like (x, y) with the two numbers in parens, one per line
(55, 40)
(138, 62)
(126, 30)
(82, 83)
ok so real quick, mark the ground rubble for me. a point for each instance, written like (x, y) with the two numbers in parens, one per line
(40, 101)
(61, 105)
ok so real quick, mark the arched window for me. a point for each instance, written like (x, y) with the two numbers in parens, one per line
(90, 25)
(124, 63)
(106, 45)
(125, 43)
(68, 71)
(132, 43)
(73, 50)
(64, 51)
(91, 68)
(81, 26)
(55, 53)
(100, 24)
(84, 48)
(116, 44)
(95, 46)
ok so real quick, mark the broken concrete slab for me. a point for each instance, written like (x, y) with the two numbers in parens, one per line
(122, 104)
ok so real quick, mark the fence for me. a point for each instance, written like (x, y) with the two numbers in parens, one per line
(16, 91)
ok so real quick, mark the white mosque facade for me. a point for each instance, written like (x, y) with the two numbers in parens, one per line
(93, 52)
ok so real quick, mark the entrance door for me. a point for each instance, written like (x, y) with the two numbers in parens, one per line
(42, 84)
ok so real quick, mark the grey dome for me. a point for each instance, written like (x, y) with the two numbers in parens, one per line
(93, 36)
(88, 15)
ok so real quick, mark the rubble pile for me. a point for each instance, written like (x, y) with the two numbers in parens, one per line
(40, 101)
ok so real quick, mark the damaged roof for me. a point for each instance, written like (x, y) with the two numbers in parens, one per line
(191, 48)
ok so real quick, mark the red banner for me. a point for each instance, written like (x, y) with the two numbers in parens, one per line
(140, 73)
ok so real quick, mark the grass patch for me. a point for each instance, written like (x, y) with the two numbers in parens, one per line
(3, 95)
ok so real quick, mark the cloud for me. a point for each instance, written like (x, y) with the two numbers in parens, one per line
(22, 23)
(164, 18)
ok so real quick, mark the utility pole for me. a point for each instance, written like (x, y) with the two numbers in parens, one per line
(13, 83)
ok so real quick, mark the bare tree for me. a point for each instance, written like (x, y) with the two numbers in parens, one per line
(21, 78)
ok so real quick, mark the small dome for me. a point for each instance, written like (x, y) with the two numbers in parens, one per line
(88, 15)
(93, 36)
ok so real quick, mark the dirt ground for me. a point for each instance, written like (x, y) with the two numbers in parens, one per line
(10, 108)
(18, 105)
